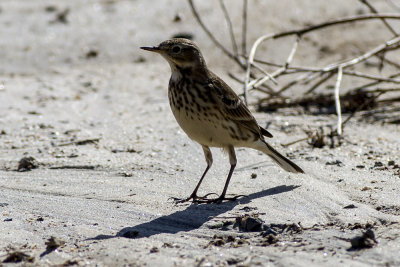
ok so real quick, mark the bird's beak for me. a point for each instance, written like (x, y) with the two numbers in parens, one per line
(152, 49)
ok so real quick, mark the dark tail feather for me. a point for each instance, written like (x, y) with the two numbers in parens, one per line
(265, 132)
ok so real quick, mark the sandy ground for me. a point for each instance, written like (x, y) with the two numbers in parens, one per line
(70, 76)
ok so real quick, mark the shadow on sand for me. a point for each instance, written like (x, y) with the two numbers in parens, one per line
(194, 216)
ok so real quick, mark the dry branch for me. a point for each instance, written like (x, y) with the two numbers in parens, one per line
(337, 100)
(230, 27)
(211, 36)
(373, 10)
(304, 75)
(244, 27)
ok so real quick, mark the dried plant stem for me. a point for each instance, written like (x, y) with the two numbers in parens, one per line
(295, 142)
(211, 36)
(366, 103)
(337, 99)
(312, 76)
(364, 86)
(392, 63)
(332, 23)
(230, 27)
(386, 90)
(250, 61)
(373, 10)
(259, 81)
(244, 28)
(265, 72)
(320, 82)
(331, 67)
(371, 77)
(365, 56)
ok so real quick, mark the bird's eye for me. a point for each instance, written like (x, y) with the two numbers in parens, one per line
(176, 49)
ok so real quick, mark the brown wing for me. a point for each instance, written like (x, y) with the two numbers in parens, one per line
(233, 106)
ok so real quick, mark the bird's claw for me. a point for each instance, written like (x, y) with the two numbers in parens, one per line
(194, 198)
(219, 199)
(204, 199)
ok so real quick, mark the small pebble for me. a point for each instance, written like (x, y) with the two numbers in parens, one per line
(53, 243)
(378, 164)
(154, 250)
(178, 17)
(27, 164)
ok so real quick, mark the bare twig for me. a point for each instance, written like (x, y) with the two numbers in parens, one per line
(295, 142)
(305, 75)
(292, 52)
(337, 100)
(77, 167)
(259, 81)
(230, 27)
(81, 142)
(363, 86)
(371, 77)
(300, 32)
(211, 36)
(365, 56)
(332, 67)
(386, 90)
(392, 63)
(332, 23)
(265, 72)
(244, 28)
(248, 69)
(320, 82)
(265, 88)
(390, 100)
(366, 103)
(373, 10)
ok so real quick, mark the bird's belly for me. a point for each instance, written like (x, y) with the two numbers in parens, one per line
(208, 131)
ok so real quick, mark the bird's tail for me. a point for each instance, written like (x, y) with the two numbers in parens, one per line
(282, 161)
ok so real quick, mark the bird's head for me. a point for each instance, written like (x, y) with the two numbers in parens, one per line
(180, 53)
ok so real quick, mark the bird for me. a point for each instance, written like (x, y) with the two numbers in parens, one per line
(211, 113)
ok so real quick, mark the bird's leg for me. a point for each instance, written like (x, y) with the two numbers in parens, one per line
(193, 196)
(233, 161)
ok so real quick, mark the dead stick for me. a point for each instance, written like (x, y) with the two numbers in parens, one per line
(320, 82)
(361, 107)
(363, 86)
(373, 10)
(334, 22)
(80, 142)
(259, 81)
(244, 28)
(364, 56)
(370, 77)
(211, 36)
(230, 27)
(337, 100)
(294, 142)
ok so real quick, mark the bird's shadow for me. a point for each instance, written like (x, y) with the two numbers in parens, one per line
(193, 217)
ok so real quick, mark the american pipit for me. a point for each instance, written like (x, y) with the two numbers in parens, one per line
(210, 112)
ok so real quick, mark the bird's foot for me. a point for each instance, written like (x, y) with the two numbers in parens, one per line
(205, 199)
(193, 197)
(219, 200)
